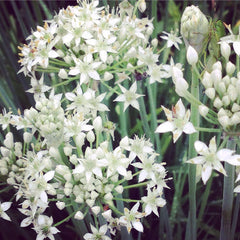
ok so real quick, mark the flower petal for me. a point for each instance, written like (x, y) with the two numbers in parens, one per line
(165, 127)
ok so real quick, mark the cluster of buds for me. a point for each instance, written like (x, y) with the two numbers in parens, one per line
(194, 27)
(224, 91)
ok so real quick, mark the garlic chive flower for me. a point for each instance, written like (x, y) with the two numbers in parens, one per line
(129, 97)
(210, 158)
(172, 39)
(178, 121)
(97, 234)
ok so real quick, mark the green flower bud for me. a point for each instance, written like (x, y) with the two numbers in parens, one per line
(194, 27)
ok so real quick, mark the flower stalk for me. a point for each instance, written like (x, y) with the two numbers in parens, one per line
(227, 204)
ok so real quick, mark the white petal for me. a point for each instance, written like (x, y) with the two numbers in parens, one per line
(103, 55)
(236, 47)
(212, 145)
(74, 71)
(26, 222)
(206, 173)
(138, 226)
(53, 54)
(201, 147)
(165, 127)
(94, 74)
(196, 160)
(224, 154)
(176, 134)
(49, 175)
(70, 96)
(234, 160)
(142, 176)
(189, 128)
(5, 216)
(180, 109)
(237, 189)
(5, 206)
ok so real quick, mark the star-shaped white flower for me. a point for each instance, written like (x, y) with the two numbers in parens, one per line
(172, 39)
(178, 121)
(211, 159)
(129, 97)
(97, 234)
(131, 218)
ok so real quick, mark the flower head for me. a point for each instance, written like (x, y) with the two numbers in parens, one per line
(129, 97)
(178, 121)
(211, 159)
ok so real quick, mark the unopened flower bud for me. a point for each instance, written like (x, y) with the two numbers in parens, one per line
(79, 215)
(207, 81)
(203, 110)
(226, 80)
(217, 65)
(235, 107)
(97, 124)
(224, 121)
(60, 205)
(80, 138)
(181, 87)
(235, 119)
(107, 76)
(67, 150)
(8, 142)
(217, 103)
(90, 136)
(154, 42)
(210, 92)
(96, 210)
(230, 68)
(226, 100)
(216, 75)
(225, 50)
(194, 27)
(232, 92)
(27, 137)
(192, 55)
(63, 74)
(142, 5)
(221, 88)
(119, 189)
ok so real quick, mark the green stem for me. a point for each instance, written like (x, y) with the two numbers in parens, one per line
(136, 185)
(192, 233)
(227, 204)
(143, 115)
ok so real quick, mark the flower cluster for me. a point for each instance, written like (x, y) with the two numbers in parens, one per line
(93, 44)
(224, 91)
(66, 154)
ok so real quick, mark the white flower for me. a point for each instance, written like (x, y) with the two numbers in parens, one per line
(129, 97)
(178, 121)
(97, 234)
(3, 208)
(152, 201)
(86, 68)
(172, 39)
(44, 229)
(211, 159)
(131, 218)
(234, 39)
(192, 55)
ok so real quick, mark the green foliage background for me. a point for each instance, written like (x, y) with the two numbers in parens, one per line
(18, 18)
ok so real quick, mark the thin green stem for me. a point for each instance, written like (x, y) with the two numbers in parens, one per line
(192, 233)
(227, 204)
(136, 185)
